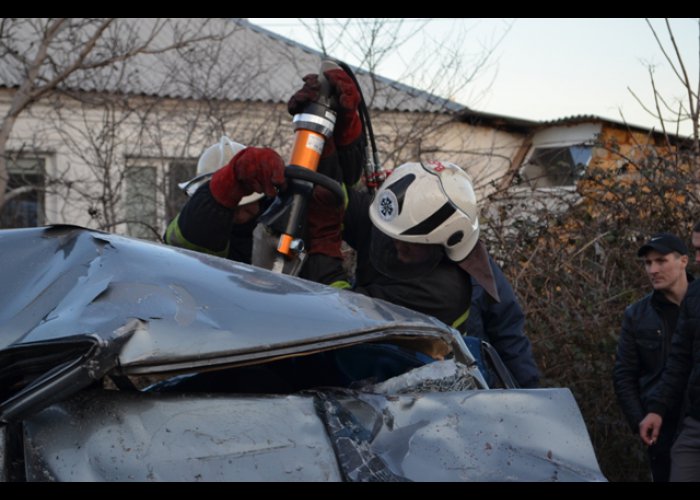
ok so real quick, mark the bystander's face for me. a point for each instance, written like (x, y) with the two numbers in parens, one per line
(664, 271)
(696, 246)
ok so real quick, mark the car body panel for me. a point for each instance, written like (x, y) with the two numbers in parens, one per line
(64, 281)
(82, 308)
(103, 436)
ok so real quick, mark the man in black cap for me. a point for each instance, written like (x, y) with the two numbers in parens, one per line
(645, 342)
(680, 380)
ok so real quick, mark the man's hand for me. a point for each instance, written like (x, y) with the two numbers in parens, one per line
(304, 96)
(252, 170)
(649, 428)
(347, 126)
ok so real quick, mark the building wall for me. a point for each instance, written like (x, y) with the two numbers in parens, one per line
(485, 153)
(88, 145)
(620, 146)
(605, 145)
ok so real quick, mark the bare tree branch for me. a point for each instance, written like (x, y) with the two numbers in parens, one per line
(57, 54)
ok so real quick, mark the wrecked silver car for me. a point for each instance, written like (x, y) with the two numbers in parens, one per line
(123, 360)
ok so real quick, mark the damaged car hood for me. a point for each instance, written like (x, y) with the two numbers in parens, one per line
(79, 304)
(65, 281)
(80, 308)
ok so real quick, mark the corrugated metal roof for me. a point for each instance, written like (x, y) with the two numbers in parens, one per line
(518, 124)
(573, 119)
(248, 64)
(657, 132)
(576, 119)
(497, 121)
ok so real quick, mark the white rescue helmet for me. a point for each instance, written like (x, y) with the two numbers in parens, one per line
(212, 159)
(430, 202)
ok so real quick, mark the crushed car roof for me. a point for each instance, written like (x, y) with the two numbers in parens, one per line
(79, 304)
(63, 281)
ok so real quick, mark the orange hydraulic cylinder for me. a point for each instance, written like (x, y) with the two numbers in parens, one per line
(308, 146)
(306, 153)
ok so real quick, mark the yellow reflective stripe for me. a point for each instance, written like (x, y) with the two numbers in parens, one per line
(174, 237)
(345, 207)
(345, 195)
(341, 284)
(460, 321)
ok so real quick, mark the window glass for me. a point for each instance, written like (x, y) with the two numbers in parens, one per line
(141, 202)
(27, 208)
(556, 166)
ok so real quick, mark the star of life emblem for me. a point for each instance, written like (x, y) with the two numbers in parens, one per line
(387, 205)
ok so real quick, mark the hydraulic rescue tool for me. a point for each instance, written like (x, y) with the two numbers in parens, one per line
(278, 238)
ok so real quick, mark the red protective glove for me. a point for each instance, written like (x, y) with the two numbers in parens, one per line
(308, 93)
(348, 126)
(325, 224)
(252, 170)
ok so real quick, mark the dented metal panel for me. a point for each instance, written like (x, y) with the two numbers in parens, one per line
(499, 435)
(195, 309)
(513, 435)
(80, 305)
(107, 436)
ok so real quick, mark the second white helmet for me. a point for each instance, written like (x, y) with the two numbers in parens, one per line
(431, 202)
(211, 160)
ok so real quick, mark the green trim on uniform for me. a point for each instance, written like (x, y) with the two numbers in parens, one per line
(174, 237)
(345, 195)
(345, 207)
(460, 321)
(341, 284)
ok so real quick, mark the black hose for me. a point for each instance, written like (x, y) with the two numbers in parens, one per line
(304, 174)
(374, 176)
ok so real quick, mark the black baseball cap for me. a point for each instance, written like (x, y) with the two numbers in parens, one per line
(663, 243)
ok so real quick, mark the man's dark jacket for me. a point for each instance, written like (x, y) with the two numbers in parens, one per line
(642, 351)
(683, 364)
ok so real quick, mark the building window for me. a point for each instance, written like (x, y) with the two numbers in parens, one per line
(556, 166)
(141, 206)
(178, 172)
(26, 208)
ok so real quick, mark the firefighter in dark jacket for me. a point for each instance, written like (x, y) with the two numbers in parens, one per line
(502, 324)
(430, 272)
(455, 263)
(645, 341)
(235, 183)
(210, 226)
(410, 239)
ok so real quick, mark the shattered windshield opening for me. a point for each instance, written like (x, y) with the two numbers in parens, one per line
(355, 366)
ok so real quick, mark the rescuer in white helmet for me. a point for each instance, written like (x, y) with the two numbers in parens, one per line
(226, 197)
(235, 183)
(411, 236)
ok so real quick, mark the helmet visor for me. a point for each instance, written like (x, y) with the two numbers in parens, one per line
(402, 260)
(189, 187)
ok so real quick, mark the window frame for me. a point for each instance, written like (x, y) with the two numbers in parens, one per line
(136, 225)
(575, 176)
(37, 196)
